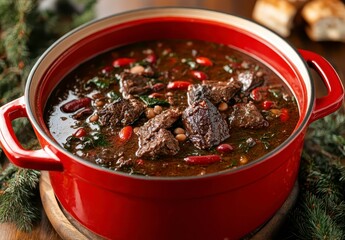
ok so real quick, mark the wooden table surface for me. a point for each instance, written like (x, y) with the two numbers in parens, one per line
(334, 52)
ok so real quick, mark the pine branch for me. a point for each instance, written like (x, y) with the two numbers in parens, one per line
(7, 17)
(16, 36)
(6, 175)
(24, 34)
(329, 133)
(313, 221)
(17, 201)
(320, 209)
(86, 14)
(10, 85)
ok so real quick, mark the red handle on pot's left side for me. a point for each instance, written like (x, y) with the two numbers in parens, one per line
(335, 91)
(42, 159)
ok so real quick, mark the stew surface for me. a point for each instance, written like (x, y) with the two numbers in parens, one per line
(171, 108)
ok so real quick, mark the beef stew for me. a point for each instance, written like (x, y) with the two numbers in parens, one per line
(171, 108)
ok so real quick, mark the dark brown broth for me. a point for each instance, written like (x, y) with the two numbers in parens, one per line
(175, 59)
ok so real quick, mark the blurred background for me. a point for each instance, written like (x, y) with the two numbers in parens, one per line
(107, 7)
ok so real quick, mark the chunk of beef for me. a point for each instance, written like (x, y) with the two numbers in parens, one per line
(160, 121)
(121, 113)
(154, 139)
(215, 91)
(158, 143)
(204, 124)
(246, 115)
(133, 84)
(250, 79)
(196, 92)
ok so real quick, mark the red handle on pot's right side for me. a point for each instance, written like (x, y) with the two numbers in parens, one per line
(335, 90)
(41, 159)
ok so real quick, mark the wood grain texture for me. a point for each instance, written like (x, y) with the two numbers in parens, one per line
(42, 231)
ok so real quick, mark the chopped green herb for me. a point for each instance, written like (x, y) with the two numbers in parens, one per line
(232, 164)
(99, 140)
(266, 144)
(113, 96)
(275, 92)
(264, 139)
(247, 144)
(192, 64)
(100, 82)
(117, 77)
(232, 58)
(267, 135)
(228, 69)
(244, 147)
(143, 63)
(153, 101)
(93, 140)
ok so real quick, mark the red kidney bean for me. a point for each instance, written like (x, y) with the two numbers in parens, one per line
(75, 105)
(284, 115)
(224, 148)
(107, 69)
(156, 95)
(151, 58)
(121, 62)
(259, 93)
(81, 132)
(140, 162)
(205, 159)
(126, 133)
(267, 104)
(83, 113)
(204, 61)
(158, 86)
(178, 85)
(199, 75)
(256, 94)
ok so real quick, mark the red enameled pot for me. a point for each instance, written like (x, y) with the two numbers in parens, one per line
(224, 205)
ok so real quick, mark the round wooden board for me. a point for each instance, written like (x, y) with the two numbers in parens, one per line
(69, 228)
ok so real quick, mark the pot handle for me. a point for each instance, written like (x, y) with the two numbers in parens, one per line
(334, 98)
(42, 159)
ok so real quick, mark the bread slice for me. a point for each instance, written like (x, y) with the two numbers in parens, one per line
(326, 20)
(277, 15)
